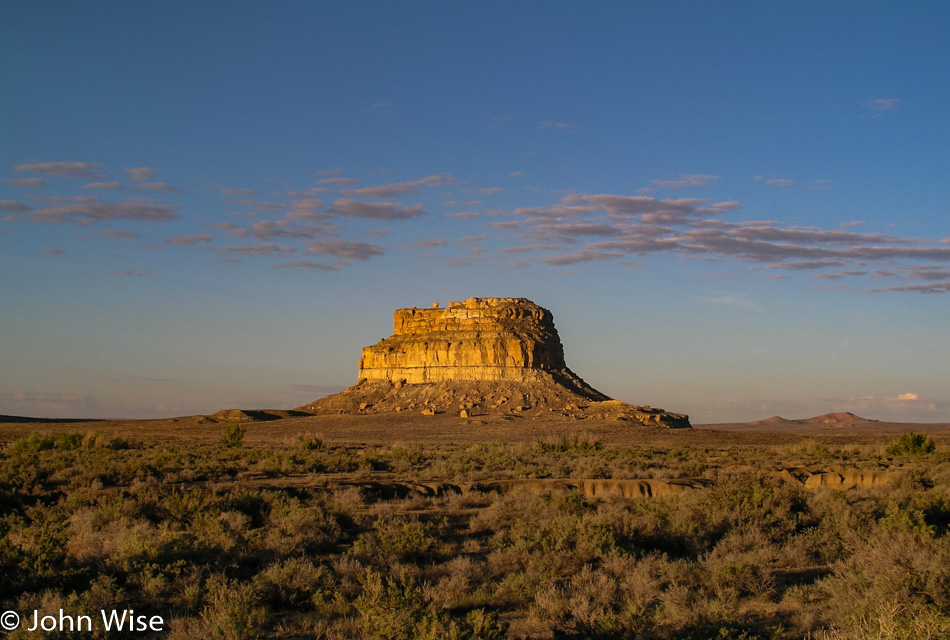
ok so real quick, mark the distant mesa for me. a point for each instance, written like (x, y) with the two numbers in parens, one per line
(482, 356)
(839, 419)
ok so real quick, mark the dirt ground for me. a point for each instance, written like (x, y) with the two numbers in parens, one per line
(406, 428)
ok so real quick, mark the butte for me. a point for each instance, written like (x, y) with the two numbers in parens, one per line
(480, 357)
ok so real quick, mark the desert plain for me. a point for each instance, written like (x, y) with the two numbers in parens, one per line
(403, 525)
(471, 486)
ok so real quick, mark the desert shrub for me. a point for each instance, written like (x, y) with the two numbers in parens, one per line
(912, 521)
(310, 442)
(232, 436)
(571, 445)
(32, 444)
(393, 540)
(87, 522)
(296, 527)
(891, 621)
(294, 582)
(891, 579)
(776, 507)
(233, 612)
(398, 608)
(911, 444)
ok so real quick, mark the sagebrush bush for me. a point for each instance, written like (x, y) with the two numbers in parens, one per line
(911, 444)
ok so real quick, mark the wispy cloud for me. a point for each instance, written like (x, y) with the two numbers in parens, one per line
(266, 229)
(434, 242)
(633, 205)
(263, 207)
(581, 256)
(304, 209)
(95, 211)
(373, 210)
(687, 180)
(246, 193)
(343, 249)
(338, 182)
(12, 206)
(104, 186)
(776, 182)
(880, 106)
(140, 174)
(187, 241)
(119, 234)
(263, 249)
(932, 287)
(32, 183)
(400, 188)
(156, 186)
(558, 126)
(62, 169)
(309, 265)
(732, 300)
(129, 272)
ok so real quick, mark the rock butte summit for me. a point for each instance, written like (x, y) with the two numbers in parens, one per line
(482, 356)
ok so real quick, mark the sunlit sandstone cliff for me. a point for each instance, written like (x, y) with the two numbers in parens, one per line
(482, 355)
(490, 339)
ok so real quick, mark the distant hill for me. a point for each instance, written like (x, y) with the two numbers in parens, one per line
(837, 419)
(841, 418)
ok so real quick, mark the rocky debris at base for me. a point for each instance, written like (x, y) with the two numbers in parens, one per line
(472, 400)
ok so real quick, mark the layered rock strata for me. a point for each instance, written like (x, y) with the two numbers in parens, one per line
(479, 356)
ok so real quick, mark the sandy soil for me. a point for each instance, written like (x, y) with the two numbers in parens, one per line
(451, 429)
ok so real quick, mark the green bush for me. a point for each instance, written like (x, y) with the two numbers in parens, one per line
(232, 437)
(911, 444)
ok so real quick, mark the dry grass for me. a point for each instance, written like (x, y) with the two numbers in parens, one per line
(304, 535)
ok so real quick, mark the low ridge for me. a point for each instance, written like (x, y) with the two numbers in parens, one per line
(481, 356)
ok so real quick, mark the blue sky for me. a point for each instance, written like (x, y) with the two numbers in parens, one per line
(734, 210)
